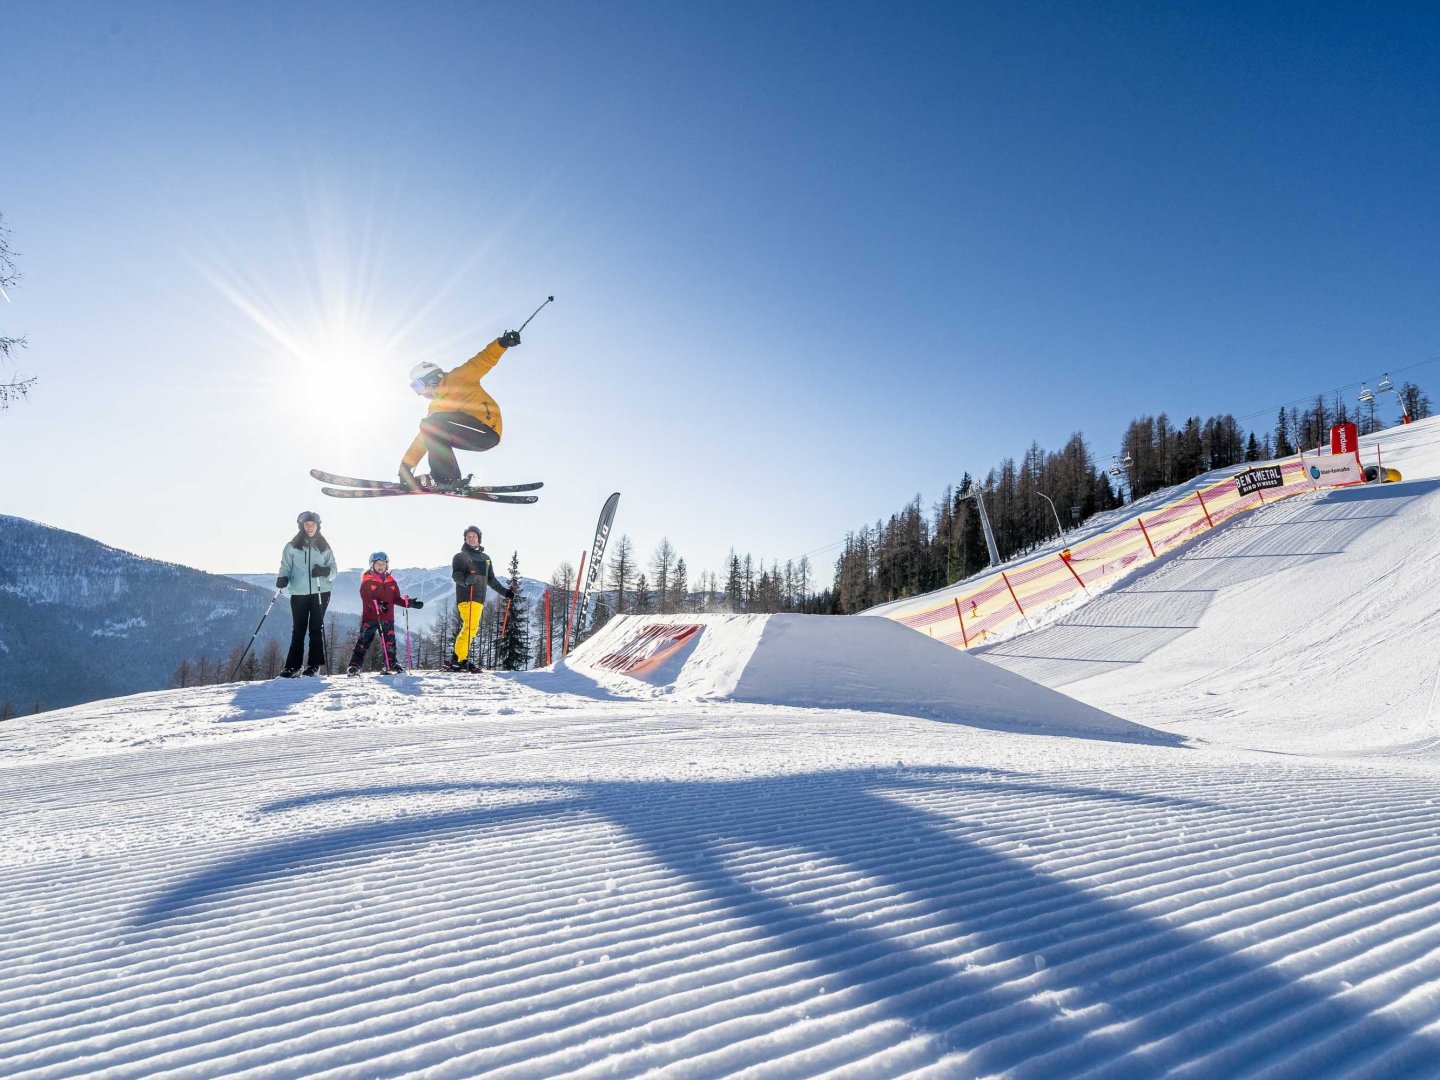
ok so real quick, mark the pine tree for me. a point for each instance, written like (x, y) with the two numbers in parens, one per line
(562, 583)
(1417, 403)
(512, 635)
(622, 572)
(680, 586)
(1283, 446)
(662, 565)
(15, 389)
(734, 585)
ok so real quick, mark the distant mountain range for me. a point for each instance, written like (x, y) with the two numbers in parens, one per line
(80, 620)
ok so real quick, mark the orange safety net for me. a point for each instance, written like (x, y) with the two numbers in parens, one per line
(969, 618)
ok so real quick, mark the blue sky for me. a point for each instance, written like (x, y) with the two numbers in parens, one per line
(809, 260)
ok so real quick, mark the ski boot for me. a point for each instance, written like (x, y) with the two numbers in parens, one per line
(352, 671)
(289, 673)
(313, 669)
(429, 482)
(394, 669)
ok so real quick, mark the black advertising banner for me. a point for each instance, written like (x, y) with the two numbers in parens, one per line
(1263, 476)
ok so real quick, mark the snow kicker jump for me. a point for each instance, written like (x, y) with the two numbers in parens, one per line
(825, 661)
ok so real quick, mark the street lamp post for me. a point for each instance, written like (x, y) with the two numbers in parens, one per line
(1059, 529)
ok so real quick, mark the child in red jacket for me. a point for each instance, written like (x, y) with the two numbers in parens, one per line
(379, 596)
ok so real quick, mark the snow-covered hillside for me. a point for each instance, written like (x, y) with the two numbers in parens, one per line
(778, 848)
(1311, 624)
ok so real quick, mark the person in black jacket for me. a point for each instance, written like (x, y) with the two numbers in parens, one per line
(472, 571)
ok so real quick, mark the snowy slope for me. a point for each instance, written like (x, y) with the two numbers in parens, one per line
(1308, 625)
(784, 848)
(541, 875)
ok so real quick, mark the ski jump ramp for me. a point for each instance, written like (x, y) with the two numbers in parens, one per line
(827, 661)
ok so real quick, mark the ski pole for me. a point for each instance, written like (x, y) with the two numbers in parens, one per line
(533, 314)
(256, 634)
(506, 620)
(469, 612)
(408, 663)
(384, 649)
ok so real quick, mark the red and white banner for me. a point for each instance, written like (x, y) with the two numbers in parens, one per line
(1344, 439)
(651, 644)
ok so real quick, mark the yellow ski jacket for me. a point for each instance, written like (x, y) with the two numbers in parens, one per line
(460, 391)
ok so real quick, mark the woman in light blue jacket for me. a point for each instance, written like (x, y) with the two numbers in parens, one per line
(306, 565)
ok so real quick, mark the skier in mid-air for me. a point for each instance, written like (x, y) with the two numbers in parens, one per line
(462, 416)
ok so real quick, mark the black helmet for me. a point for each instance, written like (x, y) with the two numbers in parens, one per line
(476, 530)
(308, 515)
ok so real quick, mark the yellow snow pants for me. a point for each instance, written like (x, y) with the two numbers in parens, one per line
(470, 612)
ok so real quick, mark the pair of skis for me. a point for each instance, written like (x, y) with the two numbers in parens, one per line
(351, 487)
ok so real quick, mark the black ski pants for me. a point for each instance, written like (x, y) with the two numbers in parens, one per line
(446, 432)
(386, 630)
(307, 613)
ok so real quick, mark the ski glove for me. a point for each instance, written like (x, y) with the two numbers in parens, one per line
(281, 581)
(416, 604)
(320, 571)
(510, 338)
(509, 594)
(382, 606)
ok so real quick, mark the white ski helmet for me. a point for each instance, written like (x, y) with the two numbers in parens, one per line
(425, 377)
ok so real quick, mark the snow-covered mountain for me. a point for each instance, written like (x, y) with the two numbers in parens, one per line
(80, 620)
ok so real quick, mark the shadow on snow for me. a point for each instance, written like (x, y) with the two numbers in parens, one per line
(1117, 987)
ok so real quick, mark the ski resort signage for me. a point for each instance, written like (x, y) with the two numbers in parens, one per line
(1344, 439)
(1262, 476)
(1333, 471)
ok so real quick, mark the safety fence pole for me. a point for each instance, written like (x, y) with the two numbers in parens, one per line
(1015, 598)
(1065, 558)
(549, 628)
(1146, 533)
(574, 599)
(1204, 508)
